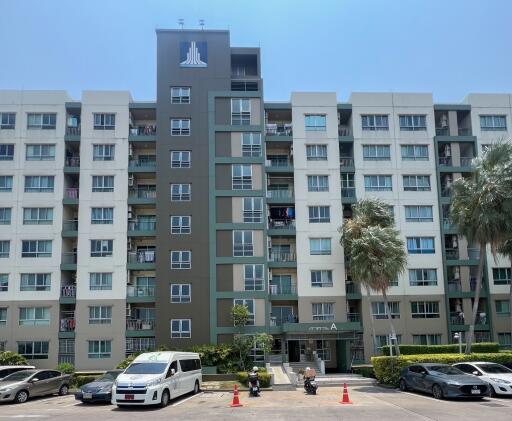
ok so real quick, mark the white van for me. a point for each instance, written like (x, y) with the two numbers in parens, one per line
(154, 378)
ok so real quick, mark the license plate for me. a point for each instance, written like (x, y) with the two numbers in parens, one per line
(87, 396)
(475, 391)
(128, 397)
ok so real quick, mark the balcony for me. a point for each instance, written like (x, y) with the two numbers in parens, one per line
(72, 164)
(141, 260)
(140, 294)
(348, 193)
(279, 164)
(140, 327)
(68, 261)
(141, 228)
(344, 131)
(282, 259)
(281, 227)
(138, 345)
(141, 196)
(445, 161)
(279, 129)
(70, 228)
(67, 324)
(67, 294)
(466, 161)
(473, 253)
(447, 225)
(454, 286)
(71, 196)
(72, 134)
(352, 290)
(281, 289)
(280, 196)
(142, 133)
(279, 321)
(346, 162)
(452, 254)
(354, 317)
(146, 164)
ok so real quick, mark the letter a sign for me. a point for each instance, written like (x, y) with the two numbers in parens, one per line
(333, 326)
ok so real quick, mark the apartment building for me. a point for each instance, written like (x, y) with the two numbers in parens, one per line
(127, 225)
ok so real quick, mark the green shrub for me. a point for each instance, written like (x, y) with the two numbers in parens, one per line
(263, 376)
(364, 371)
(66, 368)
(387, 369)
(482, 347)
(11, 358)
(214, 355)
(79, 381)
(127, 361)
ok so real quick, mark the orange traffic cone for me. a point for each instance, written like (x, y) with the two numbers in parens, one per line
(345, 400)
(236, 399)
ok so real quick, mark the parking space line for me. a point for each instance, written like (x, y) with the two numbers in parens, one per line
(187, 399)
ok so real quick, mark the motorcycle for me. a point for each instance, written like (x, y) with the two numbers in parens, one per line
(254, 384)
(310, 385)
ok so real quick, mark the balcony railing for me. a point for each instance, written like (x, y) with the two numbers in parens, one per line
(352, 288)
(280, 194)
(442, 131)
(481, 319)
(67, 358)
(73, 161)
(344, 131)
(71, 193)
(473, 253)
(281, 223)
(353, 317)
(147, 130)
(141, 225)
(142, 194)
(446, 191)
(445, 161)
(279, 162)
(452, 254)
(280, 289)
(69, 258)
(140, 345)
(464, 131)
(465, 161)
(348, 192)
(447, 224)
(68, 291)
(135, 291)
(278, 129)
(70, 225)
(281, 256)
(457, 318)
(67, 324)
(140, 324)
(147, 256)
(454, 286)
(73, 131)
(278, 321)
(146, 163)
(346, 161)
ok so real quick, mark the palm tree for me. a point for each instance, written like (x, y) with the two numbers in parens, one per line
(506, 250)
(377, 254)
(481, 210)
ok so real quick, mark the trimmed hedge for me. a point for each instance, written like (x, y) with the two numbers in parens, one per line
(387, 369)
(263, 376)
(482, 347)
(78, 381)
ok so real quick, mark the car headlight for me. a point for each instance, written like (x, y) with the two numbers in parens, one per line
(153, 382)
(106, 389)
(5, 389)
(452, 384)
(494, 379)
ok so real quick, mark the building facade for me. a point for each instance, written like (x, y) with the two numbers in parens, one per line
(129, 225)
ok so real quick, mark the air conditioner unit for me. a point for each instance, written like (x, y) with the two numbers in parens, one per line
(131, 180)
(128, 310)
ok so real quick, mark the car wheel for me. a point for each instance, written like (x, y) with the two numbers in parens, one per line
(196, 388)
(492, 391)
(437, 391)
(21, 396)
(64, 389)
(165, 399)
(403, 385)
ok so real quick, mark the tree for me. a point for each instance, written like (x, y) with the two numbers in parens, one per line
(242, 343)
(481, 210)
(377, 254)
(506, 250)
(11, 358)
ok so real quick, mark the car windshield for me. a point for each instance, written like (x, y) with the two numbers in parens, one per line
(146, 368)
(445, 369)
(109, 376)
(494, 369)
(19, 376)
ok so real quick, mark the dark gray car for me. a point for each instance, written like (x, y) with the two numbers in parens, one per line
(442, 381)
(25, 384)
(100, 390)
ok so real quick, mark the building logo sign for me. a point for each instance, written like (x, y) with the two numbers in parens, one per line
(193, 54)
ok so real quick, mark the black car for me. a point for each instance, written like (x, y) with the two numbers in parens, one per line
(442, 381)
(100, 390)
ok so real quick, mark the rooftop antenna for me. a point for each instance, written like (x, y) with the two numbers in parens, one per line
(201, 24)
(181, 22)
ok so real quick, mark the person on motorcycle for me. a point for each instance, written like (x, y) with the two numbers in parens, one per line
(254, 380)
(310, 385)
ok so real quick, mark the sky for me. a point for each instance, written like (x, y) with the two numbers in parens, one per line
(447, 47)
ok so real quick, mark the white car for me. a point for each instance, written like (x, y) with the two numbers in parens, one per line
(498, 376)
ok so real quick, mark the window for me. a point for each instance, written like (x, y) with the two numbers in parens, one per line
(413, 122)
(319, 246)
(430, 339)
(253, 209)
(3, 319)
(181, 259)
(102, 248)
(315, 122)
(318, 183)
(425, 309)
(181, 293)
(180, 95)
(102, 216)
(379, 310)
(323, 311)
(39, 183)
(243, 243)
(378, 183)
(99, 349)
(35, 281)
(180, 159)
(251, 144)
(102, 183)
(422, 277)
(321, 278)
(416, 182)
(100, 281)
(7, 121)
(103, 152)
(501, 276)
(319, 214)
(44, 152)
(34, 316)
(493, 122)
(5, 216)
(41, 121)
(250, 307)
(241, 177)
(181, 328)
(190, 365)
(383, 340)
(5, 183)
(375, 122)
(180, 224)
(414, 152)
(376, 153)
(34, 350)
(253, 277)
(104, 121)
(5, 246)
(37, 216)
(240, 112)
(6, 152)
(502, 307)
(180, 127)
(505, 339)
(100, 315)
(4, 282)
(420, 245)
(36, 248)
(180, 192)
(418, 214)
(316, 152)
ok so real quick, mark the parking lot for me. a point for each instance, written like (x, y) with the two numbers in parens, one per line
(369, 403)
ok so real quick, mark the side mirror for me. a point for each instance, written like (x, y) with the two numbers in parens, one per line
(423, 373)
(35, 379)
(173, 371)
(475, 373)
